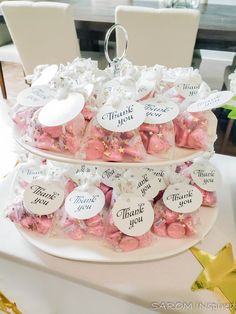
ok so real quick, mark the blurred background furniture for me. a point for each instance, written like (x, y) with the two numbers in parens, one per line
(8, 53)
(217, 28)
(163, 36)
(224, 115)
(43, 32)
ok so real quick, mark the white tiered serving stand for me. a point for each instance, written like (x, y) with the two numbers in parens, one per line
(95, 250)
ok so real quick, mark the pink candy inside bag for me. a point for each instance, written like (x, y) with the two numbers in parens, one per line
(22, 116)
(101, 144)
(191, 130)
(158, 139)
(168, 223)
(78, 229)
(119, 241)
(209, 199)
(42, 225)
(61, 139)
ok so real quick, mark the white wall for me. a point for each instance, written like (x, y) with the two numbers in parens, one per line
(213, 66)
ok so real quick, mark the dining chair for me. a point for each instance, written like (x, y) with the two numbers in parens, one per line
(163, 36)
(8, 53)
(43, 32)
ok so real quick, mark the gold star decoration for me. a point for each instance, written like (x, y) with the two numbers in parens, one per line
(218, 275)
(106, 153)
(181, 217)
(121, 150)
(7, 306)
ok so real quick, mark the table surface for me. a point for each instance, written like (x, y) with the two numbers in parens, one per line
(213, 16)
(166, 280)
(217, 28)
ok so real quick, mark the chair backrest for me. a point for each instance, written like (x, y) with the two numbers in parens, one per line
(43, 32)
(163, 36)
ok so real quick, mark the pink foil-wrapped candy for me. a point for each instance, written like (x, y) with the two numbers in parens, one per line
(46, 142)
(170, 216)
(61, 139)
(191, 130)
(128, 243)
(168, 223)
(76, 126)
(69, 187)
(123, 242)
(145, 240)
(176, 230)
(43, 224)
(101, 144)
(53, 131)
(94, 149)
(108, 194)
(209, 199)
(22, 116)
(158, 139)
(159, 227)
(20, 216)
(71, 228)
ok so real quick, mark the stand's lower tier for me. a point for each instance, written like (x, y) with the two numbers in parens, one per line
(96, 251)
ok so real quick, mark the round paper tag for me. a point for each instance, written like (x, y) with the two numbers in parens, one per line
(160, 112)
(182, 198)
(89, 89)
(190, 88)
(132, 215)
(61, 111)
(105, 93)
(84, 204)
(43, 198)
(205, 175)
(213, 101)
(35, 96)
(117, 87)
(159, 173)
(144, 87)
(147, 185)
(46, 76)
(30, 173)
(75, 172)
(128, 116)
(110, 176)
